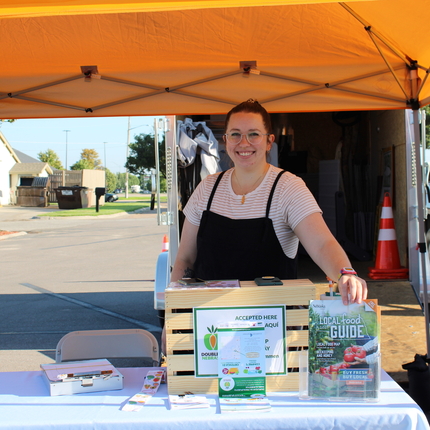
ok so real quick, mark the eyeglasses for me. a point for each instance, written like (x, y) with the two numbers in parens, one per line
(253, 137)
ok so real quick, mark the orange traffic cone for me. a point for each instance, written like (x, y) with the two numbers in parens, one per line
(387, 264)
(165, 246)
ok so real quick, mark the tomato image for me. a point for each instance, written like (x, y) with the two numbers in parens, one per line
(349, 357)
(359, 352)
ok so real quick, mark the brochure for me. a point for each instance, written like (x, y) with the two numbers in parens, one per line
(250, 404)
(241, 360)
(344, 352)
(188, 401)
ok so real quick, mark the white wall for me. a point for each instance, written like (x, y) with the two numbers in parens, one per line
(6, 163)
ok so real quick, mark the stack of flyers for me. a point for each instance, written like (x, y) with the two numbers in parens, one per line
(188, 401)
(245, 404)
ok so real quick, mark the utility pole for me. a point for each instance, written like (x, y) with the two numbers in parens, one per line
(127, 151)
(67, 132)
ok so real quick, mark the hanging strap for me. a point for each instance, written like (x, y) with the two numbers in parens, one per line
(272, 191)
(214, 189)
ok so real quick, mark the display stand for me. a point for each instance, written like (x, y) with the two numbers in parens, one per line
(295, 294)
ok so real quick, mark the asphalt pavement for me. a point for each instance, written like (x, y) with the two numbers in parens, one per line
(76, 273)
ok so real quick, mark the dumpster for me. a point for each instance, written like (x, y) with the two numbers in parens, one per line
(73, 197)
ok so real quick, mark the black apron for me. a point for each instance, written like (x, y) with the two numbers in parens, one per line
(242, 249)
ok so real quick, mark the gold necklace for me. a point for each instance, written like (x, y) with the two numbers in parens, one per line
(253, 185)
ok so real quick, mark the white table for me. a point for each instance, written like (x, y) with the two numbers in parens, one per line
(26, 404)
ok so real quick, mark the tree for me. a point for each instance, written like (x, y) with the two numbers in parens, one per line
(142, 155)
(427, 111)
(132, 180)
(111, 181)
(81, 165)
(50, 157)
(89, 160)
(92, 156)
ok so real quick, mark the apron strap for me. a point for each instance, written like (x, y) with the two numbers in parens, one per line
(214, 189)
(272, 191)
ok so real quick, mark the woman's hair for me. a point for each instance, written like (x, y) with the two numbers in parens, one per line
(251, 106)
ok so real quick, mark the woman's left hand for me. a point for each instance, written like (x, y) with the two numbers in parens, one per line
(352, 289)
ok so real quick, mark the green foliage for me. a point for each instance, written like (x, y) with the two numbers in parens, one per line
(427, 111)
(111, 181)
(50, 157)
(92, 156)
(89, 160)
(142, 155)
(120, 180)
(81, 165)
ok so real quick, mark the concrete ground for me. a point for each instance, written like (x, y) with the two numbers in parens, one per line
(54, 271)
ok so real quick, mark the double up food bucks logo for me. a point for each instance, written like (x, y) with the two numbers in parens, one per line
(344, 356)
(210, 341)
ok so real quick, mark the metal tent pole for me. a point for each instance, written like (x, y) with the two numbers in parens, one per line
(422, 248)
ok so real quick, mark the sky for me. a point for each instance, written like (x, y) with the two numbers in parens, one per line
(108, 136)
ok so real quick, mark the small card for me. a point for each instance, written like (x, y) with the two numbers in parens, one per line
(151, 383)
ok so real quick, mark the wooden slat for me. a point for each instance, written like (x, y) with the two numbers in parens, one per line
(185, 341)
(174, 321)
(293, 292)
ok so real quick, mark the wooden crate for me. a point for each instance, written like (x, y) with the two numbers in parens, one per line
(295, 294)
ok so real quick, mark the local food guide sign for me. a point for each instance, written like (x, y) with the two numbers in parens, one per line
(207, 321)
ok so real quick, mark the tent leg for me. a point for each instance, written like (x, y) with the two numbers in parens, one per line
(421, 232)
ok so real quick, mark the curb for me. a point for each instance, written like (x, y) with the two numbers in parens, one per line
(14, 234)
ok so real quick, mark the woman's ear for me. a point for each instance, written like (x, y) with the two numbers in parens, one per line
(270, 140)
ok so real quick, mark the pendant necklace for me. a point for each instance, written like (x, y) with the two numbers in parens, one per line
(252, 187)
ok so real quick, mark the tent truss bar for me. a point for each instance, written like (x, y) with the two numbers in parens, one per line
(40, 87)
(368, 27)
(177, 89)
(47, 102)
(386, 61)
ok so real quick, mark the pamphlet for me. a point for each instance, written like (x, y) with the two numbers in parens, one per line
(188, 401)
(250, 404)
(241, 360)
(151, 383)
(344, 352)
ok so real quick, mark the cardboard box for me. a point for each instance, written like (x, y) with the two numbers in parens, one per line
(76, 377)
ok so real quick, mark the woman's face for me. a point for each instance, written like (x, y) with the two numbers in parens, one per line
(245, 154)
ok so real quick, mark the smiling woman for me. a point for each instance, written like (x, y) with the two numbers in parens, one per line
(247, 222)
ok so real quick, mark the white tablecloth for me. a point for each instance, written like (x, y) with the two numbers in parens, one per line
(25, 404)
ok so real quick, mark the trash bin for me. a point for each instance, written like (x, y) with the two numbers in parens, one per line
(72, 197)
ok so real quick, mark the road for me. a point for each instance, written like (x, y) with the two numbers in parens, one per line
(73, 273)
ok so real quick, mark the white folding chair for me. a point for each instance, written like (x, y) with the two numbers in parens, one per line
(94, 344)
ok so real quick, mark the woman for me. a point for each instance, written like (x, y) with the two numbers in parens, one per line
(247, 222)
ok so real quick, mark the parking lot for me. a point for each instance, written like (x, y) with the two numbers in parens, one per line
(66, 274)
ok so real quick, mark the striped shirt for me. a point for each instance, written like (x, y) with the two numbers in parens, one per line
(292, 202)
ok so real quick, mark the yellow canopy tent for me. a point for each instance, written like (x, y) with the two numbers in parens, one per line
(84, 58)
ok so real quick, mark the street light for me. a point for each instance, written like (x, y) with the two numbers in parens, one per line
(67, 132)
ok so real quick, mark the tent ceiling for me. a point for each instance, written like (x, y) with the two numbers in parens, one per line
(191, 57)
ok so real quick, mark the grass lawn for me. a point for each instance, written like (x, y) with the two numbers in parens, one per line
(106, 209)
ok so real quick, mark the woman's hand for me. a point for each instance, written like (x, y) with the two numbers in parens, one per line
(352, 289)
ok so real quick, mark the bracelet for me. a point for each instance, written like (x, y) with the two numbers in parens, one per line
(347, 271)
